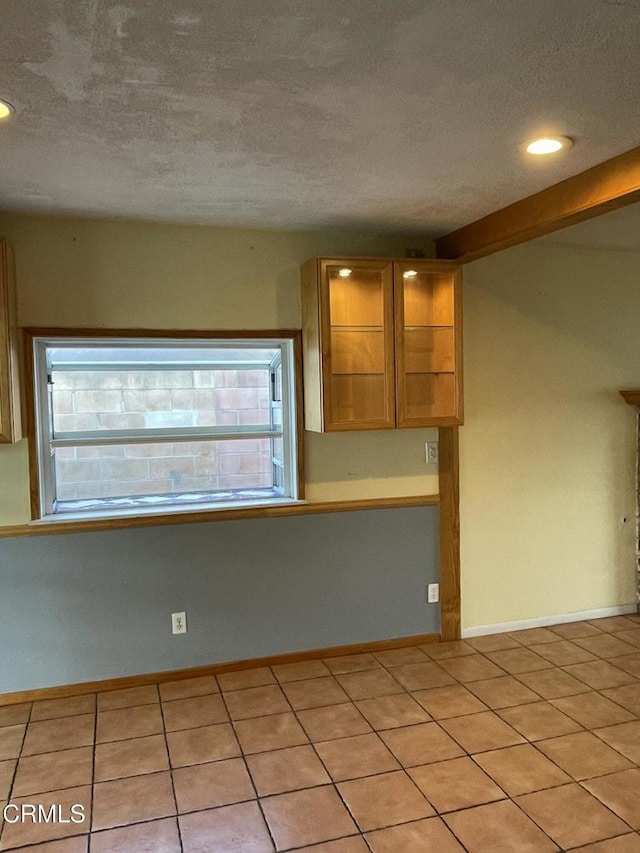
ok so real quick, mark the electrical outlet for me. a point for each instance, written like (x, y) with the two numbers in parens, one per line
(179, 623)
(431, 452)
(433, 593)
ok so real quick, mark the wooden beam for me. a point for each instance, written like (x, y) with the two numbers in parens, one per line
(605, 187)
(449, 533)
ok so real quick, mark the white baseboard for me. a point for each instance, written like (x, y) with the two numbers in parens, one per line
(542, 621)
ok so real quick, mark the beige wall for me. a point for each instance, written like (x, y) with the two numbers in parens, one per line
(547, 450)
(97, 273)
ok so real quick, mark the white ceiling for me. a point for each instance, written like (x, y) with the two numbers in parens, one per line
(401, 115)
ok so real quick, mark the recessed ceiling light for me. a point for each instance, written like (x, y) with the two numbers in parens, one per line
(345, 272)
(6, 110)
(549, 144)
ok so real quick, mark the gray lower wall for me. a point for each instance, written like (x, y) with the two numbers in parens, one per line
(88, 606)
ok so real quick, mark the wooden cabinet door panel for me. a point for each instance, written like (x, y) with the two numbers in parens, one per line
(430, 350)
(428, 298)
(357, 400)
(429, 396)
(356, 299)
(357, 351)
(428, 343)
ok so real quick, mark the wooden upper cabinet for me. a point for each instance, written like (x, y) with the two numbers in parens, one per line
(381, 343)
(9, 385)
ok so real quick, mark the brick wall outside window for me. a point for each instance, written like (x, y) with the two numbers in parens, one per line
(91, 400)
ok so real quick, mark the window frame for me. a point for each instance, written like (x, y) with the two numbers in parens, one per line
(41, 481)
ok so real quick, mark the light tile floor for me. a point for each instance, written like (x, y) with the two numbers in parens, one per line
(527, 741)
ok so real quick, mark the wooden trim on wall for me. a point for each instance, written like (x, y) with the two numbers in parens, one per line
(10, 401)
(448, 456)
(603, 188)
(45, 528)
(214, 334)
(29, 394)
(458, 298)
(299, 403)
(632, 396)
(211, 669)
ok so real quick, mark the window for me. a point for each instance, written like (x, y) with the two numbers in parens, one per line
(132, 426)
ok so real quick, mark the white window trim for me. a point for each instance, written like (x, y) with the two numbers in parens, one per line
(46, 441)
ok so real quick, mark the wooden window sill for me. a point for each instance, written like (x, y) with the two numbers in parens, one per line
(87, 525)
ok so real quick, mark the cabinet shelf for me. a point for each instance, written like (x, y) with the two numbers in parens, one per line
(360, 373)
(429, 326)
(355, 328)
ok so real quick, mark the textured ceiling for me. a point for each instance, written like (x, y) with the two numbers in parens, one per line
(401, 115)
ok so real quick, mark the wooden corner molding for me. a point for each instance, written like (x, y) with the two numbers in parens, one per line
(605, 187)
(449, 477)
(632, 396)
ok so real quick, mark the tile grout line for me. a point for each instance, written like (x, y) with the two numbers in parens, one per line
(534, 744)
(246, 766)
(611, 812)
(374, 731)
(332, 783)
(93, 771)
(509, 798)
(170, 764)
(15, 771)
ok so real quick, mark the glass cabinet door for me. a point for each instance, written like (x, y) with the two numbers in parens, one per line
(358, 345)
(427, 344)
